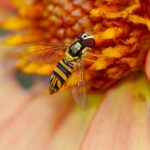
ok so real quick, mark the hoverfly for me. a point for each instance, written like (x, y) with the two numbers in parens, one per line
(73, 58)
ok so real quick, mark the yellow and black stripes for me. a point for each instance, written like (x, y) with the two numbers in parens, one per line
(65, 67)
(60, 75)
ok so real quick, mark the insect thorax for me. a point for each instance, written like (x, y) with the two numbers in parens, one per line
(75, 51)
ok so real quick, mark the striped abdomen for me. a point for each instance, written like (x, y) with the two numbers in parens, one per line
(60, 75)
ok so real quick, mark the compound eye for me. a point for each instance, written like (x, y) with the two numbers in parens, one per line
(89, 42)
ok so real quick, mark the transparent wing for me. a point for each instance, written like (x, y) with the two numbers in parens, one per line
(41, 53)
(79, 91)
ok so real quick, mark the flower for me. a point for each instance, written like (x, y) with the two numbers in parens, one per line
(121, 30)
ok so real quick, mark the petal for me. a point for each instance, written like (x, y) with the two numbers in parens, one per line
(34, 120)
(122, 120)
(147, 64)
(21, 39)
(6, 4)
(71, 132)
(16, 23)
(28, 118)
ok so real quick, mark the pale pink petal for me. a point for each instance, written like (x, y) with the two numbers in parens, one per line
(36, 121)
(147, 64)
(122, 121)
(28, 119)
(71, 132)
